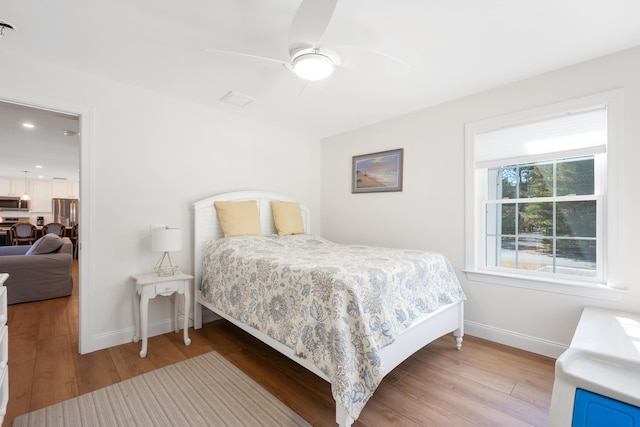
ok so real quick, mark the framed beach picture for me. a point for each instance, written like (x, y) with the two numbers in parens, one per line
(377, 172)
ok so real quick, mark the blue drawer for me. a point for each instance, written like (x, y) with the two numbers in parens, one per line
(594, 410)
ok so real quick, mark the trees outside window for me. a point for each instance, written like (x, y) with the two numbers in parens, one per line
(545, 217)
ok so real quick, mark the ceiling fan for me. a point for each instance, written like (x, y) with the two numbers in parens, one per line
(308, 60)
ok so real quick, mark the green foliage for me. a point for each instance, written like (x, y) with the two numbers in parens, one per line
(575, 219)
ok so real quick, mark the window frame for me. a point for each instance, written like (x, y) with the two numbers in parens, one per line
(611, 284)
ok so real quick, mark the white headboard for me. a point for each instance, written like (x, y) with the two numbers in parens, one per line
(206, 225)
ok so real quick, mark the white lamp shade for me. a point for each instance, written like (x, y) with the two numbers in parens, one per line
(166, 239)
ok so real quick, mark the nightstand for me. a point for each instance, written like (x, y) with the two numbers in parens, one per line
(149, 286)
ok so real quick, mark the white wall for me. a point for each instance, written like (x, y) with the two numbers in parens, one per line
(429, 213)
(152, 157)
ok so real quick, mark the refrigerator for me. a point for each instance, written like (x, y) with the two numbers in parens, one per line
(65, 211)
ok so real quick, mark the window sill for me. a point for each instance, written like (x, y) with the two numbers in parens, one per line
(556, 287)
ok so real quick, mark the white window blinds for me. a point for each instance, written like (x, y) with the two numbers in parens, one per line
(570, 135)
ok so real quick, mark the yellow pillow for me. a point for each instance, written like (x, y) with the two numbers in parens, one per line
(238, 218)
(287, 217)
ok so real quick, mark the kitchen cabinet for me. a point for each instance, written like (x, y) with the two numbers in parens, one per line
(65, 189)
(19, 187)
(40, 196)
(5, 186)
(40, 191)
(13, 187)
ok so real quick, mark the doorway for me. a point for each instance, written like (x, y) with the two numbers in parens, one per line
(50, 143)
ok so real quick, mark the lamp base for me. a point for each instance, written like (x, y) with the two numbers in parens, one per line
(168, 269)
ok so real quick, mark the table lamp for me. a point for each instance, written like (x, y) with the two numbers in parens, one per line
(165, 239)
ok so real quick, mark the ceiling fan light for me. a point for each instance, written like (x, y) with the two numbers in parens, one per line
(313, 66)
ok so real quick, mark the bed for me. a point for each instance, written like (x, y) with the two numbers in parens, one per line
(344, 319)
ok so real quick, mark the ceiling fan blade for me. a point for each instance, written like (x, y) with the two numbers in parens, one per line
(311, 90)
(248, 55)
(373, 53)
(309, 23)
(302, 92)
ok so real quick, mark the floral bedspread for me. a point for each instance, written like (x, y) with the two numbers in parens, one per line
(336, 305)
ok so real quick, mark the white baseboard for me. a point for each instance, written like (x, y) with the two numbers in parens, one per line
(502, 336)
(124, 336)
(514, 339)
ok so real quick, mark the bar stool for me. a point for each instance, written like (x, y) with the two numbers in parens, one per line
(54, 227)
(74, 239)
(22, 233)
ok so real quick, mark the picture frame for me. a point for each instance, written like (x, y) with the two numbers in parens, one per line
(377, 172)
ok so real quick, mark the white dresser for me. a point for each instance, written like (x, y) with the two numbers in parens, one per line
(597, 379)
(4, 349)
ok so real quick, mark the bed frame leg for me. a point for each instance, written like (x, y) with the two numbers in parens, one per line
(458, 342)
(197, 315)
(342, 417)
(459, 333)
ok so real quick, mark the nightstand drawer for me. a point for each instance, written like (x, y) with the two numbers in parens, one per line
(169, 287)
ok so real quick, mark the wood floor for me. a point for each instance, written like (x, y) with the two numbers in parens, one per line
(484, 384)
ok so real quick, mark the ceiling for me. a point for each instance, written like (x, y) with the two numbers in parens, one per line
(43, 151)
(399, 56)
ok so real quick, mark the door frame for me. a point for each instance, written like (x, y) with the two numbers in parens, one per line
(85, 252)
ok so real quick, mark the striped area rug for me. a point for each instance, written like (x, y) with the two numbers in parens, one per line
(203, 391)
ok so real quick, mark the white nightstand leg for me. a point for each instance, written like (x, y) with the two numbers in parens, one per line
(136, 312)
(144, 313)
(187, 299)
(176, 299)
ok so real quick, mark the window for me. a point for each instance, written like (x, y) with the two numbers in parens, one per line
(542, 194)
(542, 217)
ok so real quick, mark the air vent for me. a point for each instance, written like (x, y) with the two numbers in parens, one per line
(237, 99)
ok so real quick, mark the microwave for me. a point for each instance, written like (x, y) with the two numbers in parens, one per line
(13, 204)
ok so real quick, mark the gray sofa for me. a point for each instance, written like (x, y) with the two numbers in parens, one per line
(42, 274)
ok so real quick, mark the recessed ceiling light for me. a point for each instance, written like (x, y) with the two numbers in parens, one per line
(39, 166)
(28, 125)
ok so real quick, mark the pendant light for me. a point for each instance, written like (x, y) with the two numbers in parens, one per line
(25, 196)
